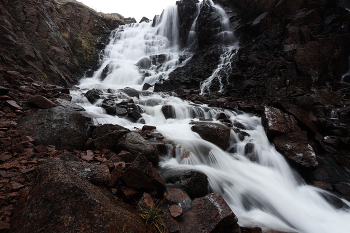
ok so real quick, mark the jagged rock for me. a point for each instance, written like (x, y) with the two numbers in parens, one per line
(144, 19)
(175, 196)
(63, 127)
(136, 144)
(209, 214)
(146, 86)
(251, 230)
(93, 95)
(213, 132)
(61, 200)
(276, 122)
(194, 183)
(41, 102)
(142, 175)
(294, 146)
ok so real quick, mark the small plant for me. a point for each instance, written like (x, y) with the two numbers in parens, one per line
(153, 216)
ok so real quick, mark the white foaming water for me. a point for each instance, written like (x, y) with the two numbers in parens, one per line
(265, 192)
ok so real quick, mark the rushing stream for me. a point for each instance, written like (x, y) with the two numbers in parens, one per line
(265, 193)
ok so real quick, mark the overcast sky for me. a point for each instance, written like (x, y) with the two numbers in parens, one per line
(130, 8)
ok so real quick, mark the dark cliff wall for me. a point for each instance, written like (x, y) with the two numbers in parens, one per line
(51, 42)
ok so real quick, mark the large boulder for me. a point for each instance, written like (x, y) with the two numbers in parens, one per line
(276, 122)
(215, 133)
(136, 144)
(63, 127)
(93, 95)
(62, 201)
(296, 148)
(210, 214)
(107, 136)
(194, 183)
(142, 175)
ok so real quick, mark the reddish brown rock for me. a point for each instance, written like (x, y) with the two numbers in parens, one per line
(301, 115)
(142, 175)
(146, 200)
(276, 122)
(168, 111)
(294, 146)
(175, 211)
(175, 196)
(136, 144)
(126, 156)
(89, 156)
(128, 194)
(41, 102)
(95, 173)
(148, 127)
(116, 174)
(10, 165)
(209, 214)
(61, 200)
(171, 225)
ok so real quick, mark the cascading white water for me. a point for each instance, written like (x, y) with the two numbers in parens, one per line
(265, 193)
(192, 35)
(224, 67)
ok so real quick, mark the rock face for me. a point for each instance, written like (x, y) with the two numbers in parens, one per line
(213, 132)
(63, 127)
(297, 150)
(194, 183)
(210, 214)
(136, 144)
(61, 201)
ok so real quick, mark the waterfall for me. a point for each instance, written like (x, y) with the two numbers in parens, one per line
(192, 35)
(264, 192)
(346, 77)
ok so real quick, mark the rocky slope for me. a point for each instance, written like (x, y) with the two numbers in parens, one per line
(52, 42)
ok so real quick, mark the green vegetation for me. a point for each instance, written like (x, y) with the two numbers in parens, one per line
(153, 217)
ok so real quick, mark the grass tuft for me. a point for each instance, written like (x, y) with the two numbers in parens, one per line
(153, 217)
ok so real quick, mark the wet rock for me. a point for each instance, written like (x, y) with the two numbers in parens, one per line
(175, 211)
(142, 175)
(146, 86)
(148, 127)
(144, 19)
(61, 200)
(294, 146)
(93, 95)
(136, 144)
(276, 122)
(194, 183)
(131, 92)
(175, 196)
(221, 116)
(215, 133)
(41, 102)
(168, 111)
(63, 127)
(102, 130)
(144, 63)
(68, 104)
(209, 214)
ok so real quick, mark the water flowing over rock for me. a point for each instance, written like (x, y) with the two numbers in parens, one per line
(61, 200)
(63, 127)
